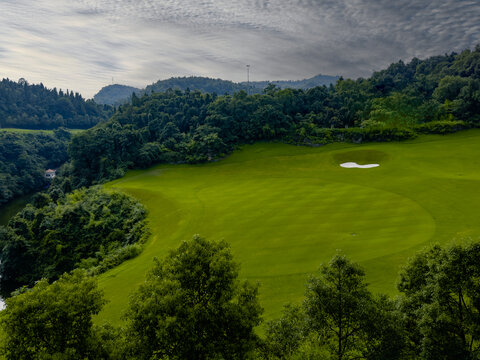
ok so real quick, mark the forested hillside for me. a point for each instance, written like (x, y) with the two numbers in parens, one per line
(439, 94)
(88, 228)
(115, 94)
(199, 83)
(30, 106)
(24, 157)
(120, 94)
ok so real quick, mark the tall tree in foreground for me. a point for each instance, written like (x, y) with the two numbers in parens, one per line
(441, 300)
(192, 306)
(337, 302)
(349, 321)
(52, 321)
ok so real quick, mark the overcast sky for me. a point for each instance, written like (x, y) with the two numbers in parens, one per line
(82, 44)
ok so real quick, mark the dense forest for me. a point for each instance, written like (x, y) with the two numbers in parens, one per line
(439, 94)
(192, 305)
(88, 228)
(29, 106)
(24, 157)
(120, 94)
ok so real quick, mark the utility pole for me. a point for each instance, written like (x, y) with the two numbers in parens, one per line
(248, 79)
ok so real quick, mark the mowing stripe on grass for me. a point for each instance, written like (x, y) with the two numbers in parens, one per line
(287, 209)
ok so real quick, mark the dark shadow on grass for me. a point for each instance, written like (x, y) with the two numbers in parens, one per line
(361, 157)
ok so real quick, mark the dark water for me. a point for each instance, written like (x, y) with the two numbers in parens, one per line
(11, 208)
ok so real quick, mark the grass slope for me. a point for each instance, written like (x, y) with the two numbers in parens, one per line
(17, 130)
(287, 209)
(26, 130)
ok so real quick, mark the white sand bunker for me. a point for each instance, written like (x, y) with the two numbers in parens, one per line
(355, 165)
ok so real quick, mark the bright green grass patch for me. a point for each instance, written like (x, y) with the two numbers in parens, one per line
(73, 131)
(26, 130)
(287, 209)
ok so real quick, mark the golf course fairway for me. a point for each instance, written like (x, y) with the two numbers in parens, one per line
(286, 209)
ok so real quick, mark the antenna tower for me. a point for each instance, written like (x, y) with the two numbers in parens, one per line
(248, 79)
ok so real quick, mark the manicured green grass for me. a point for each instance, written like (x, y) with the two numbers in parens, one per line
(73, 131)
(26, 130)
(287, 209)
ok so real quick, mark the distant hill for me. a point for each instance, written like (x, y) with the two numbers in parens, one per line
(203, 84)
(318, 80)
(33, 106)
(118, 94)
(115, 94)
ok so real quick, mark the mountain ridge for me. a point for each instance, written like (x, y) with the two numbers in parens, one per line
(117, 94)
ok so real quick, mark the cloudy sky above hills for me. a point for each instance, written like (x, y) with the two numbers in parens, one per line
(82, 44)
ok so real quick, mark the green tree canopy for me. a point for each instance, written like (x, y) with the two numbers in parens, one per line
(284, 336)
(24, 157)
(33, 106)
(337, 302)
(441, 301)
(350, 322)
(52, 321)
(192, 306)
(89, 228)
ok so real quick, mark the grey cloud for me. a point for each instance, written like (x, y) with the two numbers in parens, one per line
(82, 44)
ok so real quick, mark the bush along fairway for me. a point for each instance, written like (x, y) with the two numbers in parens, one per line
(286, 209)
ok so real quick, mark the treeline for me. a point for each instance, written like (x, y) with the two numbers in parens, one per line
(202, 84)
(440, 94)
(30, 106)
(24, 157)
(193, 306)
(317, 80)
(121, 94)
(226, 87)
(89, 228)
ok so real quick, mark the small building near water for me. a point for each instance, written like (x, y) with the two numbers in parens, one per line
(50, 173)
